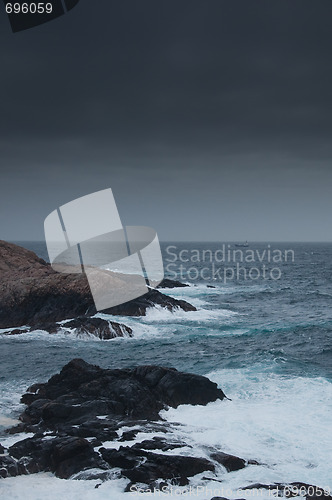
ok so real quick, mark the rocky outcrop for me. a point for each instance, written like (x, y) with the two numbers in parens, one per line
(84, 406)
(139, 306)
(168, 283)
(82, 391)
(81, 327)
(75, 415)
(85, 327)
(32, 293)
(230, 462)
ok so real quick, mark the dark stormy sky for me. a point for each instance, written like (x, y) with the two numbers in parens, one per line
(209, 119)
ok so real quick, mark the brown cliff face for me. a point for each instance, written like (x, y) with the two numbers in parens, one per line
(18, 263)
(32, 293)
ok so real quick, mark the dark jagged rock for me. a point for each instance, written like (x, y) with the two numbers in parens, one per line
(139, 306)
(81, 408)
(141, 466)
(64, 456)
(10, 467)
(84, 405)
(16, 331)
(82, 391)
(174, 389)
(230, 462)
(86, 326)
(171, 467)
(33, 293)
(157, 443)
(168, 283)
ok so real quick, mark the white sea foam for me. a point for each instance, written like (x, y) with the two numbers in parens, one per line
(202, 290)
(160, 322)
(159, 314)
(10, 440)
(283, 423)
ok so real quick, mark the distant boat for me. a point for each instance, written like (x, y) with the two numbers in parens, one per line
(243, 245)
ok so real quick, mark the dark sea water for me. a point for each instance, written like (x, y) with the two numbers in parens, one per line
(266, 341)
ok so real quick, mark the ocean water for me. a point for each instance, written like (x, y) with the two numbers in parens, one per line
(263, 334)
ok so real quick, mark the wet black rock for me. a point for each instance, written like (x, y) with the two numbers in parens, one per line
(10, 467)
(65, 456)
(86, 326)
(168, 283)
(83, 406)
(81, 391)
(139, 306)
(170, 467)
(230, 462)
(158, 443)
(142, 466)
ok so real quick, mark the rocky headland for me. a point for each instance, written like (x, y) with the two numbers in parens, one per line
(33, 294)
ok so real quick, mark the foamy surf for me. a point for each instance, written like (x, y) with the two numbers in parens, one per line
(159, 314)
(282, 423)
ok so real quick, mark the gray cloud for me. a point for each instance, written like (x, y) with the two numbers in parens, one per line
(198, 114)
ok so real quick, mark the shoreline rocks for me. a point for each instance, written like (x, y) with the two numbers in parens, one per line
(82, 407)
(79, 411)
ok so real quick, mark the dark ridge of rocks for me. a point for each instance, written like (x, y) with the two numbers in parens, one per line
(33, 293)
(176, 467)
(82, 391)
(158, 443)
(81, 327)
(64, 456)
(86, 326)
(139, 306)
(230, 462)
(168, 283)
(16, 331)
(83, 406)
